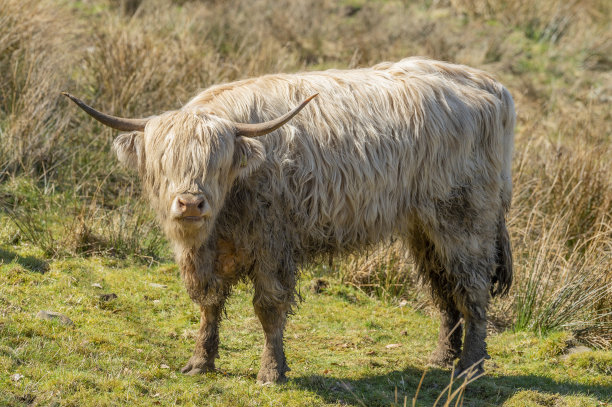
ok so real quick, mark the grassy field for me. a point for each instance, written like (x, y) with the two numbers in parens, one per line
(340, 345)
(71, 217)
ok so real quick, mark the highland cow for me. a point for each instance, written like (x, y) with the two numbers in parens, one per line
(417, 149)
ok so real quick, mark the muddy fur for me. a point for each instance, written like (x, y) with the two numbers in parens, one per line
(417, 149)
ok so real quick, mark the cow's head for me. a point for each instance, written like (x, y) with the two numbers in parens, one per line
(188, 161)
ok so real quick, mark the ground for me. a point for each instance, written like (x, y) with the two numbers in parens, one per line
(342, 346)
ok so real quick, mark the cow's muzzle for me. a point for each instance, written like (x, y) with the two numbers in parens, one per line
(190, 207)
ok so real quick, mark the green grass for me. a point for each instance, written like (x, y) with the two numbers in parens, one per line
(129, 350)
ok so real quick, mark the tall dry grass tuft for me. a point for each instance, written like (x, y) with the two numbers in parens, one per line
(33, 54)
(562, 233)
(385, 271)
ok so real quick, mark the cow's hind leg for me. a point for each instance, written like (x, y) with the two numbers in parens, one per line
(469, 253)
(463, 290)
(449, 336)
(472, 264)
(432, 271)
(463, 231)
(207, 341)
(472, 298)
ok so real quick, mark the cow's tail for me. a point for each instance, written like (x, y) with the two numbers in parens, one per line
(508, 122)
(502, 280)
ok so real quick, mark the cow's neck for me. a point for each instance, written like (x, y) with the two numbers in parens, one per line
(197, 271)
(210, 270)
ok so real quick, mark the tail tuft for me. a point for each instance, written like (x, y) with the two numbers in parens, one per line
(502, 280)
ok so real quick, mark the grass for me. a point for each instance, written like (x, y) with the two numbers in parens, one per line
(128, 350)
(71, 217)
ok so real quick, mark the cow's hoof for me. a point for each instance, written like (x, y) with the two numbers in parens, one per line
(197, 366)
(469, 373)
(442, 358)
(270, 376)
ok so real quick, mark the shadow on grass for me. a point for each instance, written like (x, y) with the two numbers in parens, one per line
(380, 390)
(30, 263)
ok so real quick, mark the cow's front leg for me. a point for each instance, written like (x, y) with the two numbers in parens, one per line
(207, 341)
(273, 362)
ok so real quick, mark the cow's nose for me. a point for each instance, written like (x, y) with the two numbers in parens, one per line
(190, 206)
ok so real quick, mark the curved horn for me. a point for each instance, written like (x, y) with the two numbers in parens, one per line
(118, 123)
(260, 129)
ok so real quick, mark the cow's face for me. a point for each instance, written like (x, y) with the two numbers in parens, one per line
(188, 162)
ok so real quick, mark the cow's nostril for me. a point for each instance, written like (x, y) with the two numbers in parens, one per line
(190, 206)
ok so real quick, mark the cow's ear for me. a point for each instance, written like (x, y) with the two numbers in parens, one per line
(249, 153)
(129, 149)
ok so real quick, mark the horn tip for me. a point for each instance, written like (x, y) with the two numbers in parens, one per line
(69, 96)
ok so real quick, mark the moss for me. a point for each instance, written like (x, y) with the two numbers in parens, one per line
(595, 362)
(553, 344)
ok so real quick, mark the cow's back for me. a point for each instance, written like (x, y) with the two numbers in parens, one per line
(374, 145)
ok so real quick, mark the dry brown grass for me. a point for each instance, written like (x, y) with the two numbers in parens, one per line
(138, 58)
(31, 123)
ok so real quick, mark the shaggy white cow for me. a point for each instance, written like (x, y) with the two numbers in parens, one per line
(417, 149)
